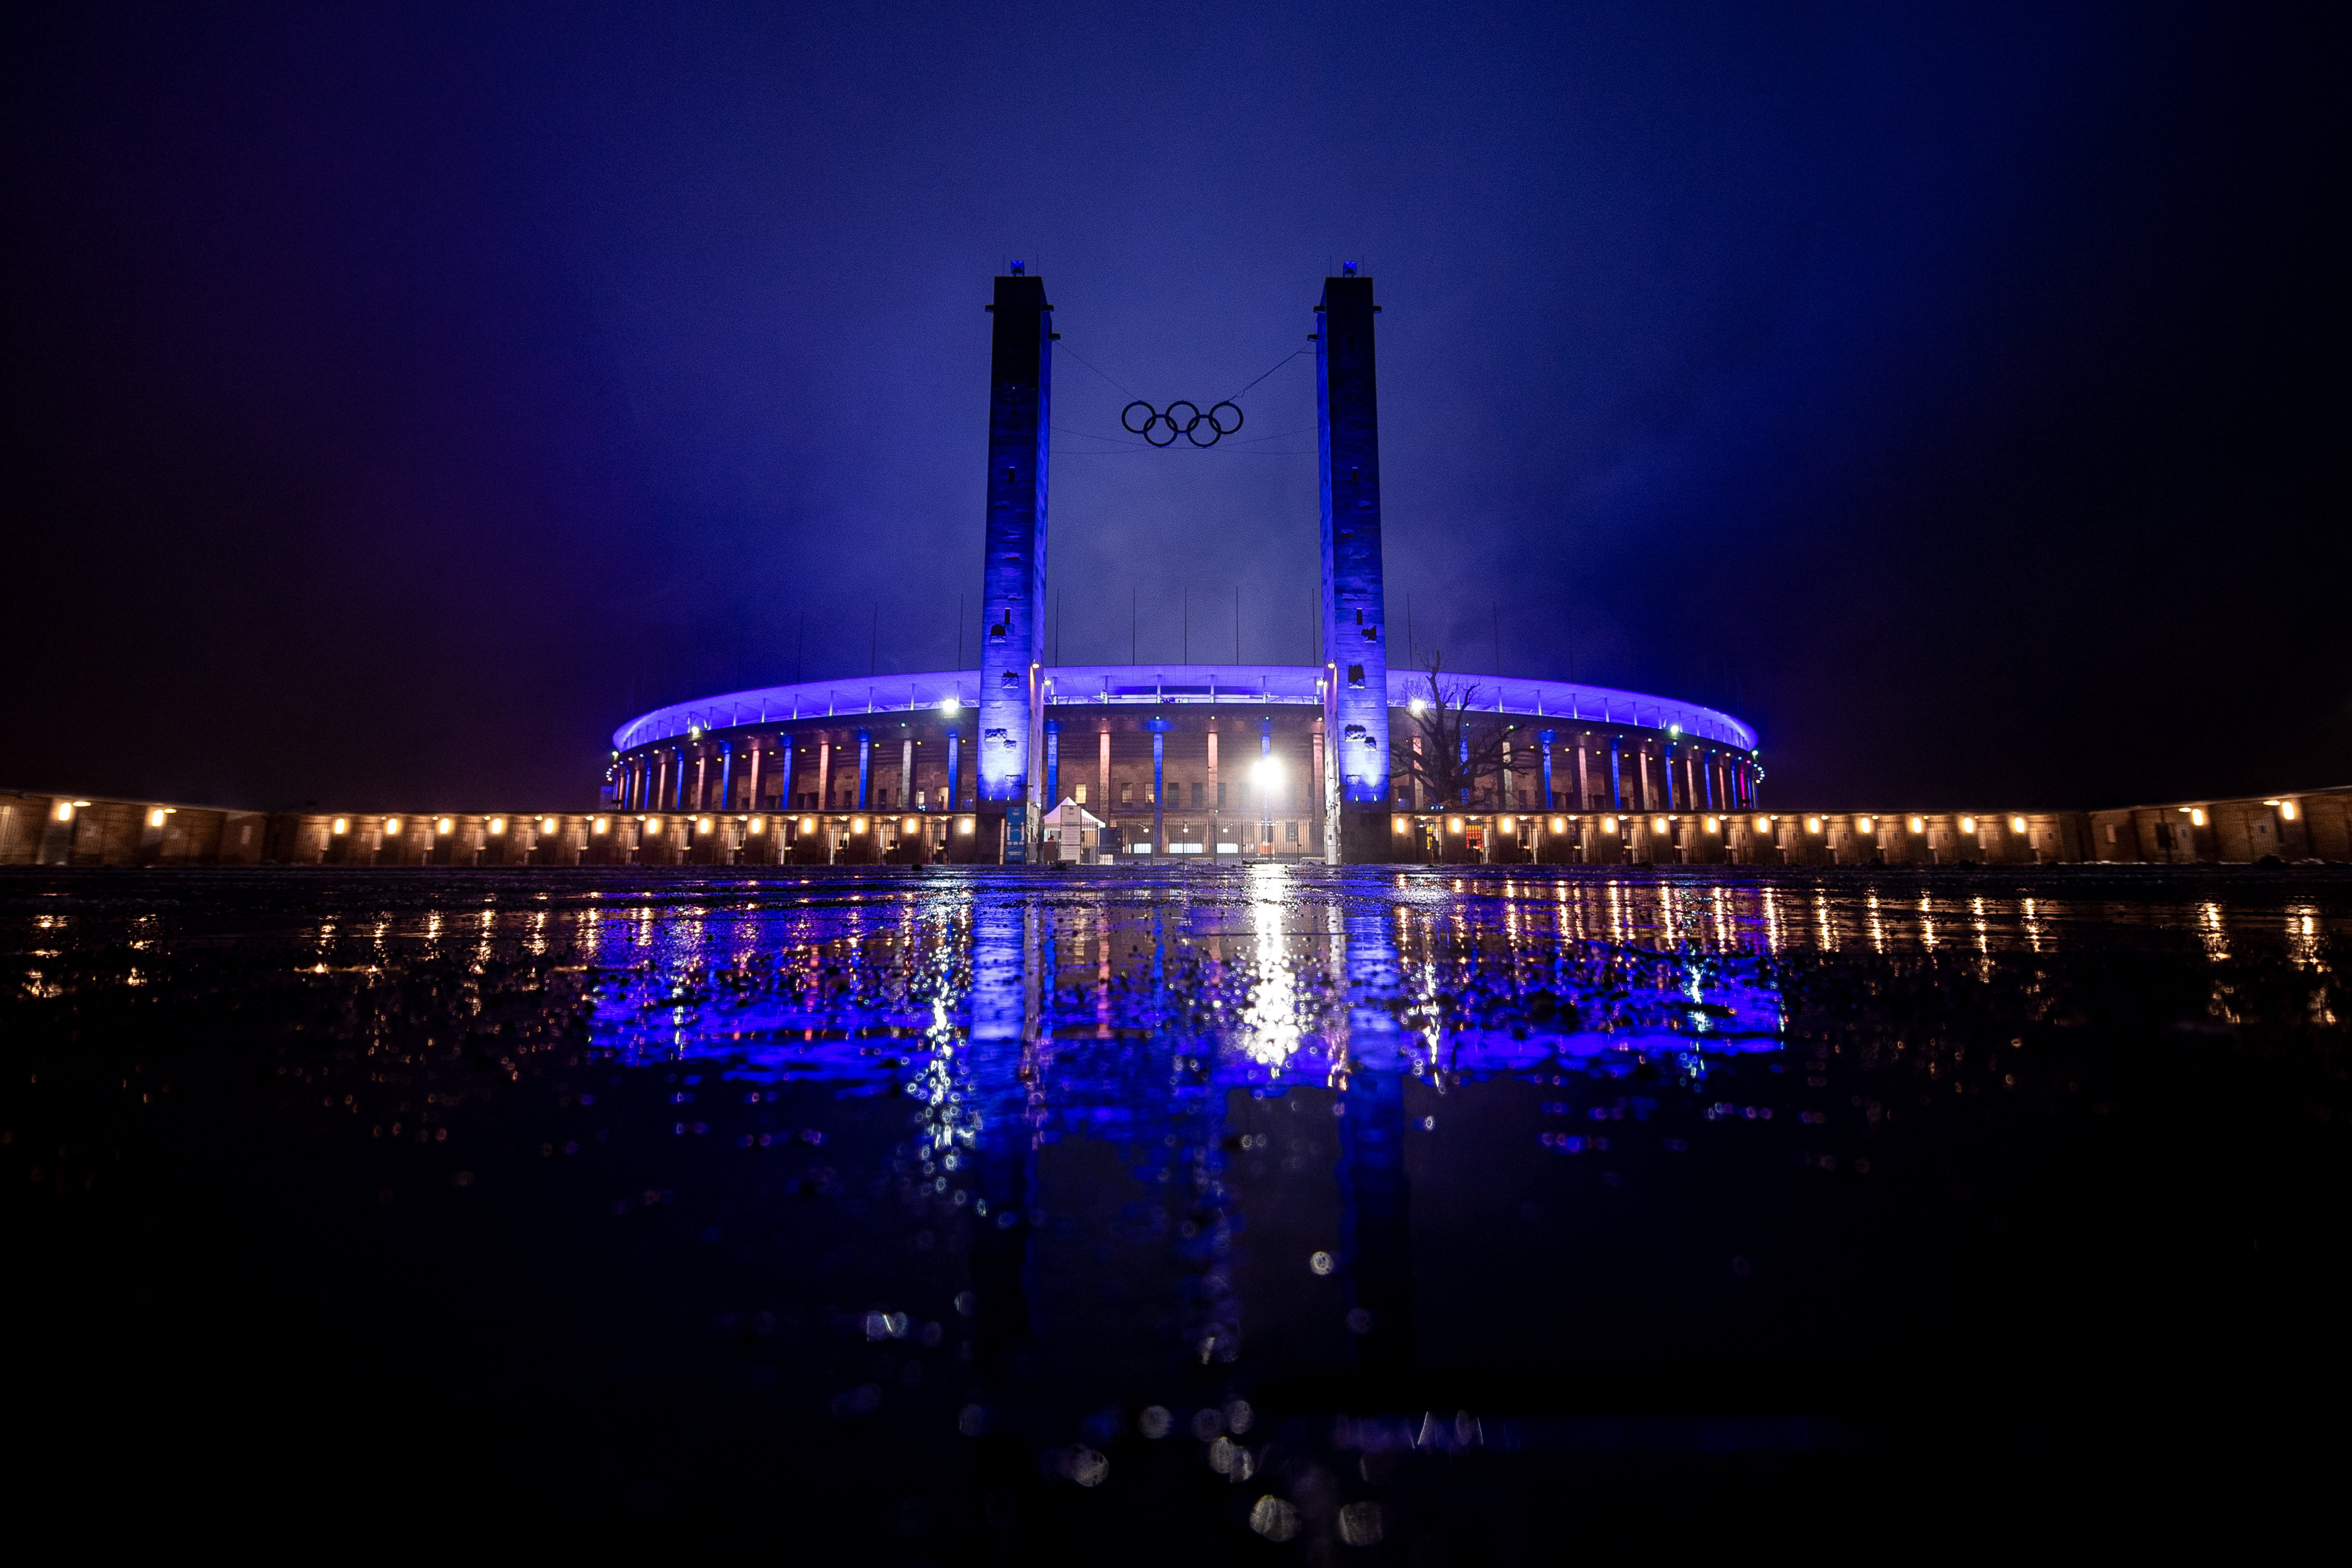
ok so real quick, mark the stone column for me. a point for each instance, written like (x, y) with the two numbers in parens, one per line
(824, 773)
(1102, 769)
(1266, 784)
(1159, 786)
(1551, 800)
(865, 770)
(1319, 823)
(1216, 803)
(907, 774)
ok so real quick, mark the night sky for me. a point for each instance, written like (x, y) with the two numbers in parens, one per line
(398, 399)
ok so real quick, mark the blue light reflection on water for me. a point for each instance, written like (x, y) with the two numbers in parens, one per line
(1162, 1018)
(1284, 985)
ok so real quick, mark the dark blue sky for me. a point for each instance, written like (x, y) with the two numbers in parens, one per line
(399, 398)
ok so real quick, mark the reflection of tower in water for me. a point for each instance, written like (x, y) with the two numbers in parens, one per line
(1376, 1203)
(1004, 1012)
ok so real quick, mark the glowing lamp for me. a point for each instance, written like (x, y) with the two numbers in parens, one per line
(1763, 825)
(1813, 825)
(756, 826)
(910, 824)
(1415, 706)
(1713, 826)
(599, 825)
(808, 824)
(446, 825)
(2017, 825)
(703, 827)
(1862, 825)
(1967, 825)
(343, 825)
(64, 811)
(1658, 825)
(2286, 809)
(1608, 824)
(498, 824)
(156, 818)
(964, 825)
(1918, 824)
(391, 827)
(950, 705)
(653, 827)
(2195, 815)
(1454, 826)
(1398, 823)
(856, 825)
(1560, 825)
(1507, 825)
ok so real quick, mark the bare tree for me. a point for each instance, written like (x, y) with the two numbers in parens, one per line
(1460, 757)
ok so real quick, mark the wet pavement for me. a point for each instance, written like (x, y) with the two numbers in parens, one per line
(1226, 1214)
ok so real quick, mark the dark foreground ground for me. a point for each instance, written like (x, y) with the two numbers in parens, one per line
(1202, 1216)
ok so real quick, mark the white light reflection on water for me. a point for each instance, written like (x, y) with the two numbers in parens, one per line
(2210, 930)
(2304, 948)
(1270, 1024)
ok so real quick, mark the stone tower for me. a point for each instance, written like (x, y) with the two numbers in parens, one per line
(1012, 586)
(1355, 640)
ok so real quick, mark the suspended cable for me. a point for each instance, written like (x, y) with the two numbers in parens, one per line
(1096, 368)
(1278, 365)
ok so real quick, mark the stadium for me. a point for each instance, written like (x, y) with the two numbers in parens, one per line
(1346, 761)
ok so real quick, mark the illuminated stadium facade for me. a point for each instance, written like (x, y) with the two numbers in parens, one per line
(1022, 761)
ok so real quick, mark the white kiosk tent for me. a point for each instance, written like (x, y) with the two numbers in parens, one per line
(1074, 832)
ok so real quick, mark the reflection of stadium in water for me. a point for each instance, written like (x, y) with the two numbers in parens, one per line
(1183, 1030)
(1287, 982)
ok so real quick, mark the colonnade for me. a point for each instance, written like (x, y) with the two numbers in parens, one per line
(1617, 772)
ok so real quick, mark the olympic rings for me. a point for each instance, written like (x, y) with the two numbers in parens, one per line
(1187, 424)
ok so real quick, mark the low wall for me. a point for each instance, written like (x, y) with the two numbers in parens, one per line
(64, 831)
